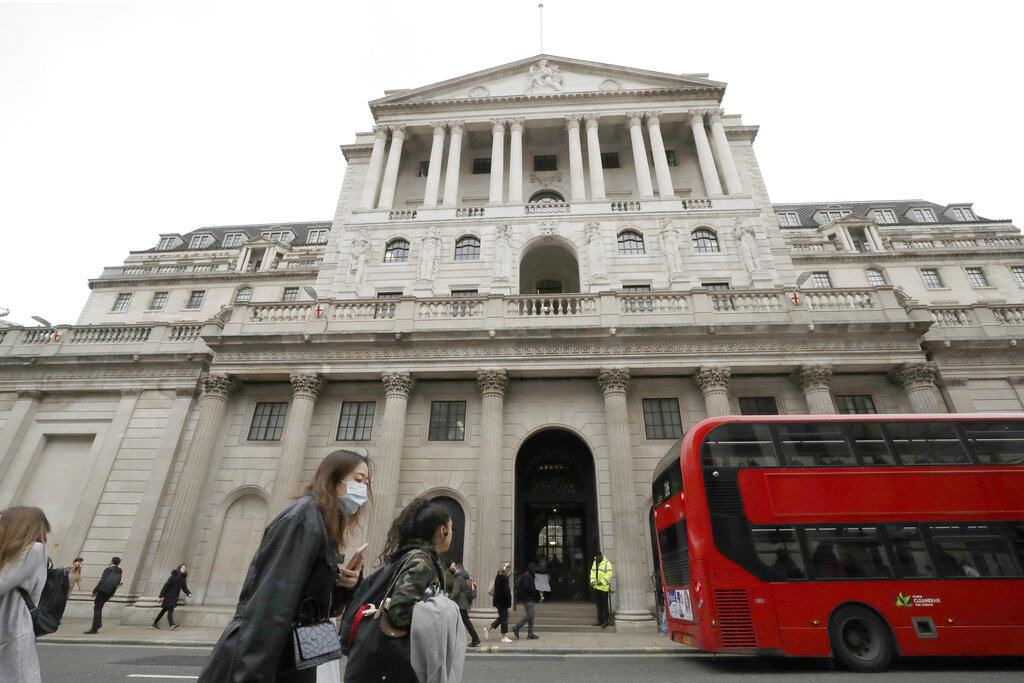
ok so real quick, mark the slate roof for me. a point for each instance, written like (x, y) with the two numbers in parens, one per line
(899, 207)
(300, 230)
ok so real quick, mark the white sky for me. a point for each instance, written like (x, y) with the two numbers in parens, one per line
(121, 121)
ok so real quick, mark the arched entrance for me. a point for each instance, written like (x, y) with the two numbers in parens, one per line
(556, 510)
(457, 548)
(549, 267)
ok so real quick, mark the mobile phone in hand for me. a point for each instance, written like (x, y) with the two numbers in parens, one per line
(356, 561)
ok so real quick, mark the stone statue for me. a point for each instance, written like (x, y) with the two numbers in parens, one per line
(595, 250)
(503, 253)
(670, 245)
(357, 261)
(543, 75)
(746, 237)
(428, 255)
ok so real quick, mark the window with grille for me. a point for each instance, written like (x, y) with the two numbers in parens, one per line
(715, 286)
(166, 243)
(481, 166)
(121, 303)
(290, 294)
(875, 277)
(199, 242)
(610, 160)
(268, 422)
(924, 215)
(545, 162)
(424, 169)
(195, 300)
(885, 216)
(631, 243)
(233, 240)
(821, 279)
(244, 295)
(860, 404)
(1018, 274)
(931, 277)
(356, 423)
(467, 249)
(977, 277)
(758, 405)
(661, 418)
(447, 421)
(704, 241)
(789, 219)
(397, 251)
(158, 301)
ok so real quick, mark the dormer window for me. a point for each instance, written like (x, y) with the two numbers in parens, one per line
(284, 237)
(166, 243)
(789, 219)
(316, 237)
(199, 242)
(233, 240)
(963, 213)
(885, 216)
(923, 215)
(830, 216)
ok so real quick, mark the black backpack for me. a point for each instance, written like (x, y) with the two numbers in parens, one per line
(47, 614)
(371, 590)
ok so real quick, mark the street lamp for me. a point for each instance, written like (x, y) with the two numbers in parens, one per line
(42, 321)
(802, 278)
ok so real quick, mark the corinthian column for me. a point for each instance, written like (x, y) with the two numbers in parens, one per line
(660, 158)
(515, 160)
(497, 161)
(814, 382)
(380, 138)
(387, 191)
(631, 584)
(572, 126)
(643, 171)
(177, 539)
(305, 390)
(918, 380)
(594, 157)
(434, 165)
(704, 156)
(451, 177)
(489, 531)
(714, 384)
(732, 178)
(387, 466)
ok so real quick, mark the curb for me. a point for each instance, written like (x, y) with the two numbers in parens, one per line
(125, 641)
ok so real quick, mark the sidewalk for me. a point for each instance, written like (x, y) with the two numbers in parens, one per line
(71, 632)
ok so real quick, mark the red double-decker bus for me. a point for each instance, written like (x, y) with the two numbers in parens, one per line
(862, 537)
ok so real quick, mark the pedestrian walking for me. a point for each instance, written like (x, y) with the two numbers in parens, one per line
(169, 595)
(526, 593)
(600, 581)
(75, 574)
(543, 579)
(296, 563)
(501, 600)
(110, 581)
(22, 575)
(463, 597)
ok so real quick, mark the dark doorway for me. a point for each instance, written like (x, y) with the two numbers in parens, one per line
(556, 510)
(454, 553)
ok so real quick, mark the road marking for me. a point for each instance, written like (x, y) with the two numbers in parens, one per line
(164, 677)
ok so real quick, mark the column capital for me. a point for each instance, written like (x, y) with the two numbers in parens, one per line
(634, 118)
(30, 394)
(439, 127)
(714, 115)
(711, 377)
(613, 380)
(397, 384)
(492, 382)
(498, 125)
(397, 131)
(573, 121)
(221, 386)
(696, 117)
(591, 120)
(307, 386)
(517, 123)
(912, 375)
(457, 127)
(813, 376)
(380, 132)
(653, 118)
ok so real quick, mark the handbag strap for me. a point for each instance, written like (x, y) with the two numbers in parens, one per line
(28, 599)
(394, 581)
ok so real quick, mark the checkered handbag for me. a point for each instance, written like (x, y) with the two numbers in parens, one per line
(315, 642)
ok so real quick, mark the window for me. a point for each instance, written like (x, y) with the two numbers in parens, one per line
(715, 286)
(447, 421)
(661, 418)
(545, 162)
(637, 304)
(268, 422)
(158, 301)
(234, 240)
(166, 243)
(995, 443)
(704, 241)
(397, 251)
(854, 552)
(670, 157)
(243, 295)
(481, 166)
(424, 169)
(912, 560)
(1018, 274)
(283, 237)
(931, 278)
(779, 548)
(546, 197)
(195, 300)
(467, 249)
(830, 216)
(631, 243)
(926, 443)
(290, 294)
(875, 277)
(758, 405)
(199, 242)
(610, 160)
(121, 303)
(963, 214)
(972, 550)
(356, 422)
(821, 279)
(386, 310)
(789, 219)
(316, 237)
(549, 287)
(632, 289)
(924, 215)
(860, 404)
(977, 277)
(812, 444)
(885, 216)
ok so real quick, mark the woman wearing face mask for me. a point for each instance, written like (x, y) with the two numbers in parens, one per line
(297, 560)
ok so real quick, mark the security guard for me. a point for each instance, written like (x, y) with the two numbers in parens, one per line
(601, 582)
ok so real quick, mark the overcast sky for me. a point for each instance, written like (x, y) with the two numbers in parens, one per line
(121, 121)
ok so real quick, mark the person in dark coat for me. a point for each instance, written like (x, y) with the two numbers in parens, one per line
(170, 593)
(104, 590)
(462, 595)
(526, 592)
(297, 561)
(501, 601)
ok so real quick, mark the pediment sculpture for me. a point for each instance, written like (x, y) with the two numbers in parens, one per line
(544, 75)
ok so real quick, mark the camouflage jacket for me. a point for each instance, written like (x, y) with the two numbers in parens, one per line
(420, 568)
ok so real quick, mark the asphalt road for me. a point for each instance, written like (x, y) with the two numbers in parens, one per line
(143, 664)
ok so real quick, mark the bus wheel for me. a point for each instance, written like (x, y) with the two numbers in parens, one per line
(860, 639)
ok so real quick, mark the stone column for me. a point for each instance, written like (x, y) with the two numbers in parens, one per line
(661, 170)
(732, 178)
(714, 384)
(386, 467)
(631, 613)
(451, 174)
(704, 157)
(594, 157)
(572, 126)
(918, 380)
(373, 170)
(876, 239)
(434, 165)
(515, 160)
(387, 191)
(177, 540)
(19, 420)
(643, 171)
(489, 530)
(305, 390)
(844, 238)
(497, 161)
(814, 382)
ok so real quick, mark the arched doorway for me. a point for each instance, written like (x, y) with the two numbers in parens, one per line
(456, 550)
(556, 510)
(549, 267)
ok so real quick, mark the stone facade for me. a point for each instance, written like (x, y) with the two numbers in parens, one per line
(552, 264)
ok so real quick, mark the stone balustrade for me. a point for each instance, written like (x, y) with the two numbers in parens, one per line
(447, 309)
(281, 312)
(184, 332)
(99, 339)
(38, 335)
(469, 212)
(546, 208)
(807, 247)
(110, 335)
(950, 317)
(653, 303)
(626, 206)
(402, 215)
(839, 300)
(1009, 315)
(746, 302)
(696, 203)
(1002, 242)
(532, 306)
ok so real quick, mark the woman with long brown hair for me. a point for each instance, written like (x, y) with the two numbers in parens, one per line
(22, 570)
(295, 565)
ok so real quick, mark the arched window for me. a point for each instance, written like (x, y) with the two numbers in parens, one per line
(875, 277)
(631, 242)
(397, 251)
(467, 249)
(704, 241)
(243, 295)
(546, 197)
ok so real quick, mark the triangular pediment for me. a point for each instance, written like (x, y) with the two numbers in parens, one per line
(547, 76)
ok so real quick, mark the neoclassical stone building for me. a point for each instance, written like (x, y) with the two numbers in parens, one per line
(537, 277)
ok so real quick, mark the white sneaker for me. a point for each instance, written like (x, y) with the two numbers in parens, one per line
(487, 633)
(506, 639)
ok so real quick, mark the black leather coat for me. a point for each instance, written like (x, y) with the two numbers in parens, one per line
(296, 560)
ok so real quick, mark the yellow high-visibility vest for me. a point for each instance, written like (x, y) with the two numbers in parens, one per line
(601, 575)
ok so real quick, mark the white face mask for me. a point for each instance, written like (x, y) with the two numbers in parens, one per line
(354, 497)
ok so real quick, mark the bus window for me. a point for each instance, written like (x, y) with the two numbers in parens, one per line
(739, 444)
(996, 443)
(847, 552)
(814, 444)
(973, 550)
(926, 443)
(779, 548)
(912, 559)
(675, 555)
(869, 441)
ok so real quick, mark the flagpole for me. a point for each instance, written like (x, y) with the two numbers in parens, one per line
(541, 8)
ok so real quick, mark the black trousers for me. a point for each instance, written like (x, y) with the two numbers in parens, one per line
(502, 620)
(97, 609)
(169, 611)
(602, 607)
(469, 625)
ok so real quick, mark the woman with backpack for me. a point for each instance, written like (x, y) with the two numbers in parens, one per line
(169, 595)
(501, 600)
(526, 593)
(295, 566)
(22, 574)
